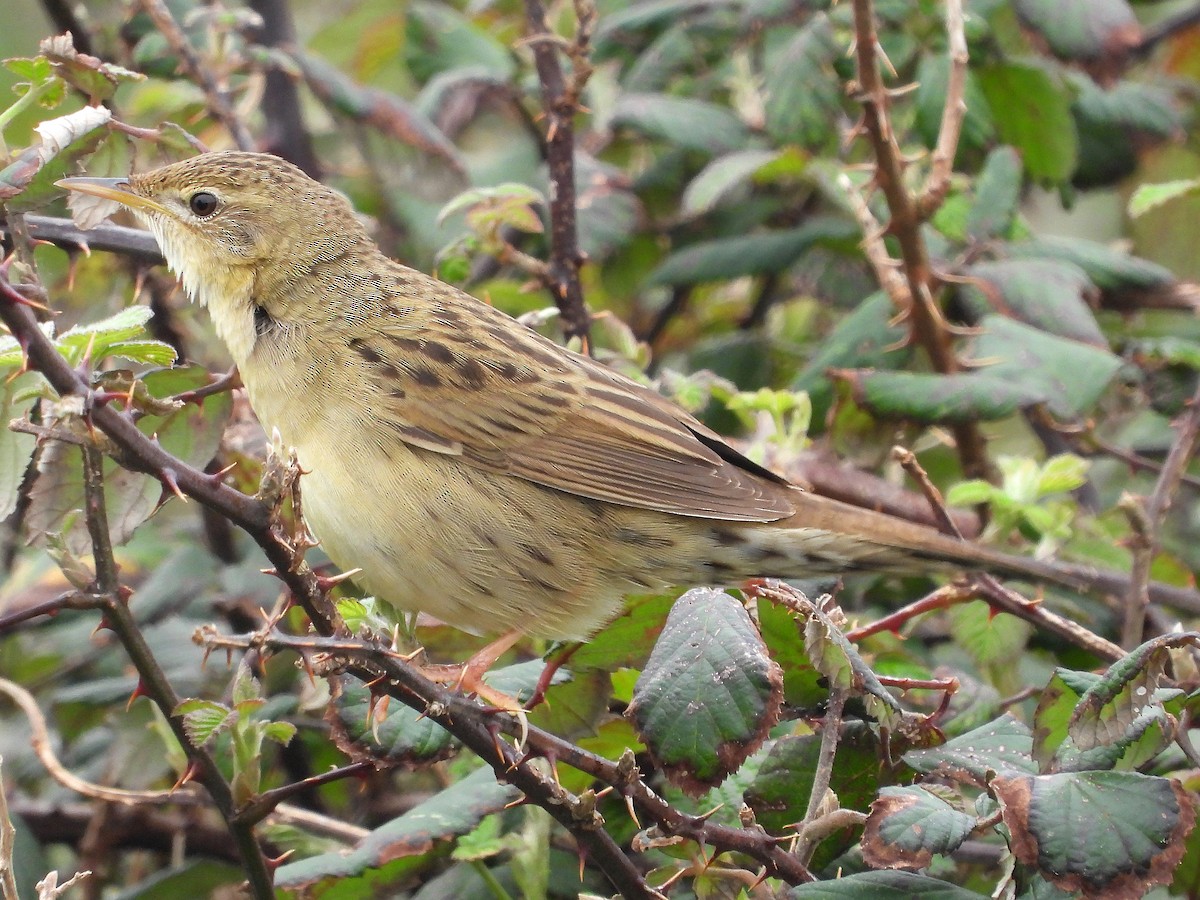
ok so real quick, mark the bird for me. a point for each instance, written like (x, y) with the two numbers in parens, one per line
(467, 466)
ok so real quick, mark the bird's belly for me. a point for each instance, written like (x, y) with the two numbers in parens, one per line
(487, 552)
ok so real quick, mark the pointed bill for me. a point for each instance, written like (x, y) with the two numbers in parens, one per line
(116, 190)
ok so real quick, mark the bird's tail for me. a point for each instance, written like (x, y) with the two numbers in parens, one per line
(828, 535)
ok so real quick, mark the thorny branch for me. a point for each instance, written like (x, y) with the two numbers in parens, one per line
(1146, 517)
(152, 681)
(912, 288)
(560, 99)
(454, 712)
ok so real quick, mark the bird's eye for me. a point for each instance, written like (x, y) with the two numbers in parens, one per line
(203, 204)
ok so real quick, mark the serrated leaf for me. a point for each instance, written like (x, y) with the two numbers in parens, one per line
(908, 825)
(804, 94)
(28, 181)
(95, 338)
(190, 432)
(444, 816)
(681, 121)
(1105, 834)
(279, 732)
(366, 728)
(992, 639)
(203, 720)
(1062, 473)
(93, 77)
(1004, 745)
(1110, 706)
(1056, 703)
(709, 692)
(1033, 114)
(1048, 294)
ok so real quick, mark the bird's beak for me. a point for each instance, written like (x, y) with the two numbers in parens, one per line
(116, 189)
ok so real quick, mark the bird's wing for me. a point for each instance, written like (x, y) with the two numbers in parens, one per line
(471, 382)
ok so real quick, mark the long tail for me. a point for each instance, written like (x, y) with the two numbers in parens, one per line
(841, 536)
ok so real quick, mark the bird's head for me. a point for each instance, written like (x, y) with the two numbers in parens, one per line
(233, 218)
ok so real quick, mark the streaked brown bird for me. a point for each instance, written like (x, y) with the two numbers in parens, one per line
(470, 467)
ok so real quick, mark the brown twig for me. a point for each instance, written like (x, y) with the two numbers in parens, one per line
(560, 101)
(152, 681)
(1146, 516)
(200, 73)
(911, 291)
(987, 587)
(831, 729)
(954, 110)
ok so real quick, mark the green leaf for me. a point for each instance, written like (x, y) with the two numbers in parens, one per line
(1048, 294)
(1033, 114)
(997, 193)
(1117, 125)
(94, 339)
(1111, 705)
(908, 825)
(867, 338)
(721, 259)
(882, 886)
(1056, 703)
(447, 814)
(1062, 473)
(279, 732)
(681, 121)
(439, 38)
(96, 79)
(1082, 29)
(1004, 745)
(28, 181)
(720, 179)
(626, 642)
(709, 692)
(366, 728)
(1110, 269)
(780, 791)
(203, 720)
(1152, 196)
(17, 396)
(1105, 834)
(804, 94)
(970, 493)
(992, 639)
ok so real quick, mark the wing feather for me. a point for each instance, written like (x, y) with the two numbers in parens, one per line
(480, 386)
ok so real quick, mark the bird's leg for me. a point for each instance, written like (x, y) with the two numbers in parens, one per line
(469, 676)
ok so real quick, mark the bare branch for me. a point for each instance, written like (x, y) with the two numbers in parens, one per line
(941, 163)
(1146, 517)
(560, 101)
